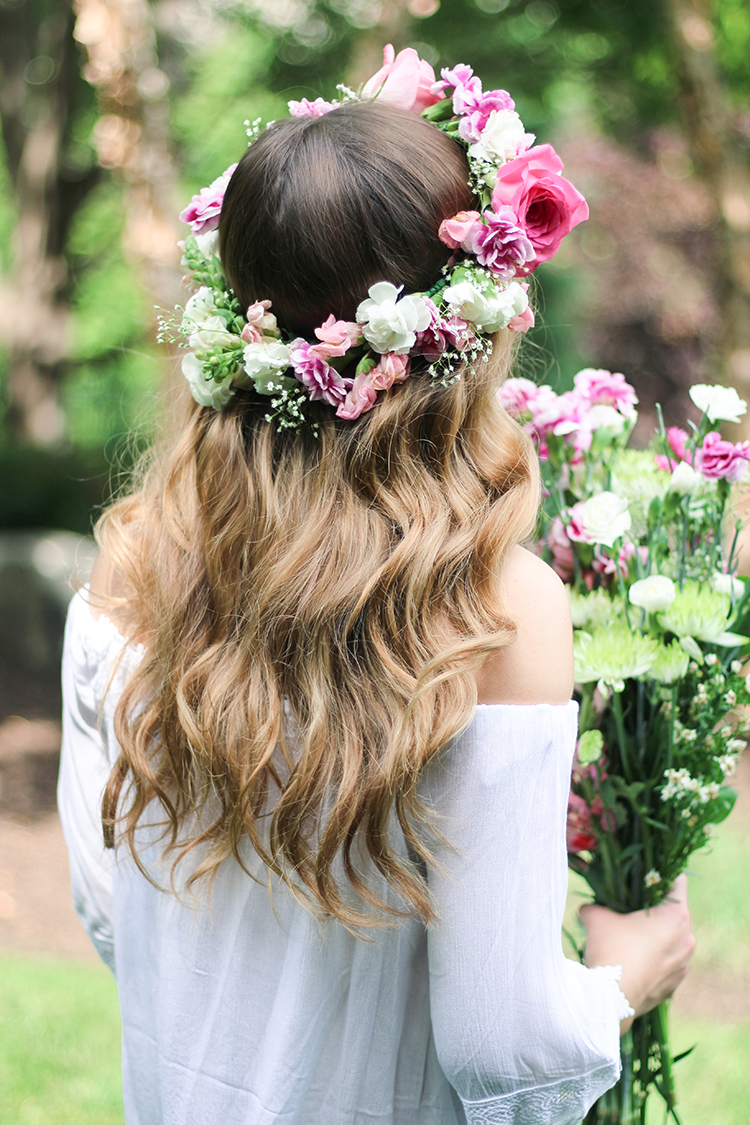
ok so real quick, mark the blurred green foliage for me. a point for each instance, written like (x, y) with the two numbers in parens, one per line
(607, 64)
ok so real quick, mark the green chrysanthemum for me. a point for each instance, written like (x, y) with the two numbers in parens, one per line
(671, 663)
(613, 655)
(593, 609)
(700, 612)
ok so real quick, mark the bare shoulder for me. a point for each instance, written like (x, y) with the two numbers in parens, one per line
(538, 666)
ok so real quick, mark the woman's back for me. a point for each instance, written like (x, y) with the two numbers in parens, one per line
(252, 1010)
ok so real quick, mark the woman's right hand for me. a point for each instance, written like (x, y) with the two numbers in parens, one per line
(653, 946)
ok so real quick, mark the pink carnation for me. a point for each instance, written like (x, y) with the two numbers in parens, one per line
(442, 333)
(361, 398)
(562, 552)
(721, 460)
(203, 210)
(546, 205)
(580, 836)
(677, 443)
(404, 80)
(605, 565)
(603, 388)
(320, 379)
(502, 246)
(556, 414)
(574, 528)
(516, 396)
(306, 108)
(476, 109)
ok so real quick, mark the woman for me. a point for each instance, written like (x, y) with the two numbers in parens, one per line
(339, 882)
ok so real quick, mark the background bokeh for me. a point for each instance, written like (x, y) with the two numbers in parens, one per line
(113, 113)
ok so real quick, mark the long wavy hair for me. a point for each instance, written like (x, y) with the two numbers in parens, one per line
(313, 607)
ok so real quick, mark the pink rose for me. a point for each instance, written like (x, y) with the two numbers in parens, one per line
(390, 369)
(677, 443)
(461, 231)
(523, 322)
(502, 246)
(203, 210)
(546, 205)
(320, 379)
(721, 460)
(336, 337)
(516, 396)
(603, 388)
(404, 80)
(359, 400)
(452, 332)
(306, 108)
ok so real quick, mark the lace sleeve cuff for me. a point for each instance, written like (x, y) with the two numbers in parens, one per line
(613, 973)
(565, 1102)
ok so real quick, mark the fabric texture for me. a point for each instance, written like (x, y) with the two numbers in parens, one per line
(245, 1010)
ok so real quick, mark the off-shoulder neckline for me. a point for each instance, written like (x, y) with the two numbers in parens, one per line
(106, 626)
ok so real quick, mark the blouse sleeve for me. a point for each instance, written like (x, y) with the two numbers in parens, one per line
(522, 1033)
(88, 651)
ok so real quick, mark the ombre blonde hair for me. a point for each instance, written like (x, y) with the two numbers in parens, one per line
(313, 607)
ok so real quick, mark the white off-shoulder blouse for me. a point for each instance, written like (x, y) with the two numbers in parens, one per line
(246, 1010)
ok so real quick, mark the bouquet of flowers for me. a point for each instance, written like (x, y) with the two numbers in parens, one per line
(646, 541)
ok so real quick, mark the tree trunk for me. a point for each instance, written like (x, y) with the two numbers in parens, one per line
(719, 160)
(41, 85)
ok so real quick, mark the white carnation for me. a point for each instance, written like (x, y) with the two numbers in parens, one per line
(719, 404)
(205, 391)
(605, 518)
(653, 593)
(603, 417)
(490, 308)
(390, 324)
(684, 480)
(503, 137)
(265, 363)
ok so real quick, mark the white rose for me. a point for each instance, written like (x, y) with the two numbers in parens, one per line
(490, 308)
(198, 309)
(727, 584)
(653, 594)
(503, 137)
(390, 324)
(265, 363)
(212, 333)
(205, 391)
(719, 404)
(208, 243)
(605, 518)
(684, 480)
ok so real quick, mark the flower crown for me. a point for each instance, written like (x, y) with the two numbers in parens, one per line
(527, 208)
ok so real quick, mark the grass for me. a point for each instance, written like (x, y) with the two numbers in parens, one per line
(60, 1028)
(59, 1044)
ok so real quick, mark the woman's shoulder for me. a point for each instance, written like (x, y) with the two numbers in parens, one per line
(537, 667)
